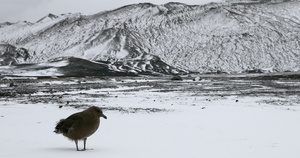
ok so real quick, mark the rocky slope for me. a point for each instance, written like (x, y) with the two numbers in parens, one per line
(10, 55)
(217, 37)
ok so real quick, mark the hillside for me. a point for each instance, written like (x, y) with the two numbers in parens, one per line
(216, 37)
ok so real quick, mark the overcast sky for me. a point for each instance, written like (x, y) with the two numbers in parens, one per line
(33, 10)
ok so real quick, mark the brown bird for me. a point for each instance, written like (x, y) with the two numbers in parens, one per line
(80, 125)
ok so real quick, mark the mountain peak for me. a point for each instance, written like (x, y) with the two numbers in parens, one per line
(175, 4)
(48, 17)
(5, 24)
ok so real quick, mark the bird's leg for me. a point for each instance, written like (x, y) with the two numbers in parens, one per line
(84, 143)
(76, 142)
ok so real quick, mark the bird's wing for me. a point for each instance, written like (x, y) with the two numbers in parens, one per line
(73, 119)
(64, 125)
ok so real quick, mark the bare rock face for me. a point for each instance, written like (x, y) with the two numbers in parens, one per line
(10, 55)
(235, 37)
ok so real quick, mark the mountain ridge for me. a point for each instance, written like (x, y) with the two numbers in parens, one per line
(216, 37)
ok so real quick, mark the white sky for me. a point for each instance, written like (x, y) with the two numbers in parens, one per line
(33, 10)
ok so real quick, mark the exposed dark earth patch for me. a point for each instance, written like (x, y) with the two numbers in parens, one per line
(84, 92)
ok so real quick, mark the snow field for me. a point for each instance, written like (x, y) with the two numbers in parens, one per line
(219, 128)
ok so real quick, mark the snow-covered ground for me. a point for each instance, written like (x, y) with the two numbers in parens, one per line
(182, 124)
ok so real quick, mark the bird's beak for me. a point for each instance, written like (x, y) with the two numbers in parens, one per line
(103, 116)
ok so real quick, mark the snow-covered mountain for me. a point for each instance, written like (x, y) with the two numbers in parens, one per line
(217, 37)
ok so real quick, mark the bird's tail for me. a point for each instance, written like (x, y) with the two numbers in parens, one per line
(58, 126)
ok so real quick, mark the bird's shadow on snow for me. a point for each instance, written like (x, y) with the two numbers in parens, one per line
(59, 149)
(64, 149)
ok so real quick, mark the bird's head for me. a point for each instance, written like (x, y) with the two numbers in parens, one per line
(98, 112)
